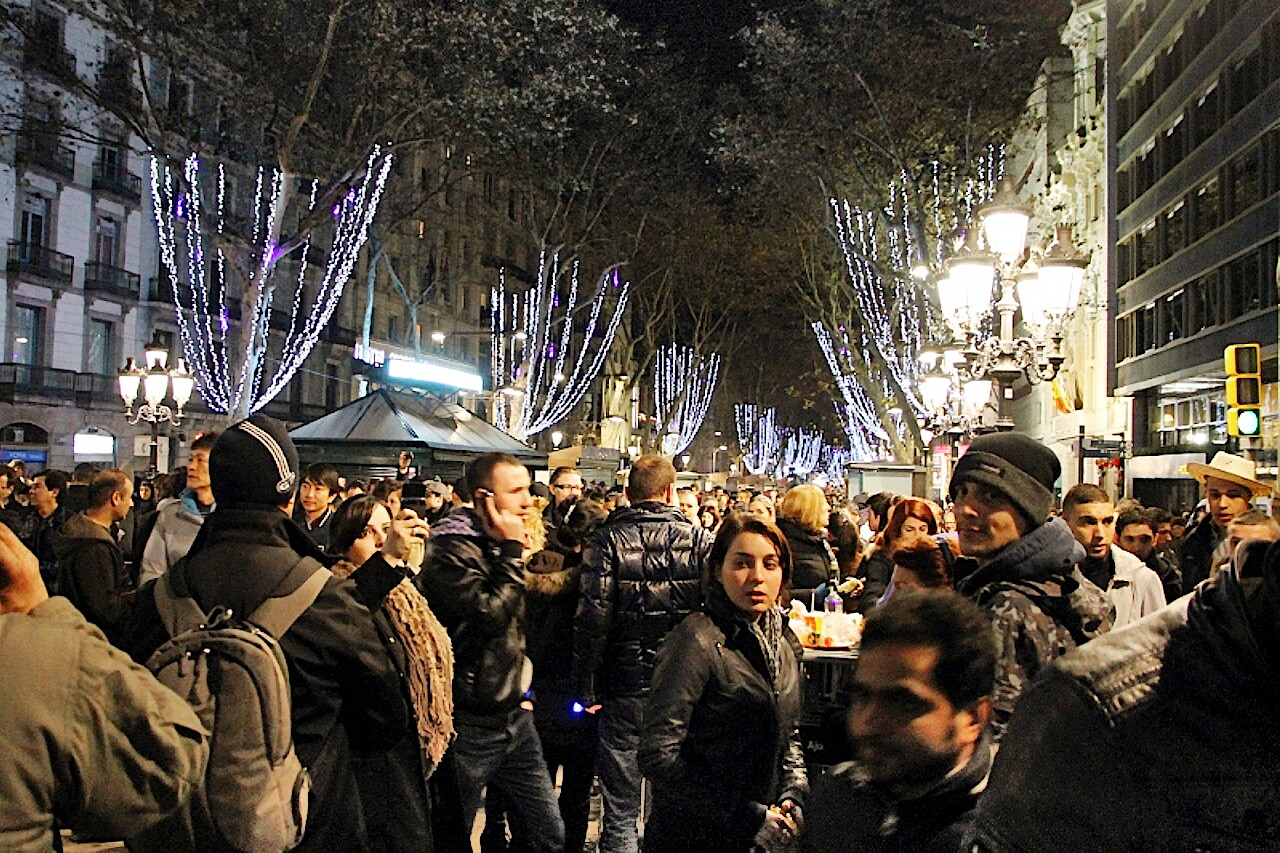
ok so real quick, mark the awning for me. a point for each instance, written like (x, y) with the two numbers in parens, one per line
(387, 419)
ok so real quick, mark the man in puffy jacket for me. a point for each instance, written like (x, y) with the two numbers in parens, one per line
(1027, 579)
(640, 576)
(474, 580)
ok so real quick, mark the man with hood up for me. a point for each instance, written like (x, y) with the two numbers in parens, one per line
(1027, 577)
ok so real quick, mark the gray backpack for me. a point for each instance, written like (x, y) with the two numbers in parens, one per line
(232, 672)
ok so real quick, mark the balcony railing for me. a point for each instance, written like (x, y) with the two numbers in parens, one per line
(104, 278)
(39, 148)
(36, 260)
(115, 179)
(27, 381)
(49, 57)
(159, 289)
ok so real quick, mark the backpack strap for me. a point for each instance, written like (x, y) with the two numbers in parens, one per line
(179, 613)
(277, 615)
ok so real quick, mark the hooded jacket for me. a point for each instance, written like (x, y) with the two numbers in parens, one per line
(641, 574)
(849, 812)
(1158, 737)
(812, 561)
(1040, 607)
(92, 574)
(1136, 590)
(720, 743)
(475, 586)
(177, 522)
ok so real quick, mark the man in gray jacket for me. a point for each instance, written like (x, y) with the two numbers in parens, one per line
(179, 519)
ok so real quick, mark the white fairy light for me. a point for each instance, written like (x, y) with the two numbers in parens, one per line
(560, 354)
(758, 436)
(683, 385)
(203, 321)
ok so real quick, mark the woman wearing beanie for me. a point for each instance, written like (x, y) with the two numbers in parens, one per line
(1027, 578)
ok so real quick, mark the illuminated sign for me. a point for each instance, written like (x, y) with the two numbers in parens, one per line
(93, 444)
(432, 374)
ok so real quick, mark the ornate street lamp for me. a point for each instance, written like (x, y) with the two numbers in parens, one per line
(1047, 288)
(154, 382)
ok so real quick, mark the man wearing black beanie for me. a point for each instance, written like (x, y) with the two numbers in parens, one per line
(345, 689)
(1027, 577)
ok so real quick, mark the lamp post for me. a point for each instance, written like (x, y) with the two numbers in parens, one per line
(1047, 291)
(715, 456)
(154, 383)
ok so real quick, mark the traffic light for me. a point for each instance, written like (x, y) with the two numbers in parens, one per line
(1244, 389)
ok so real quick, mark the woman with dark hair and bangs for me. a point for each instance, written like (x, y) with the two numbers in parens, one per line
(720, 741)
(409, 794)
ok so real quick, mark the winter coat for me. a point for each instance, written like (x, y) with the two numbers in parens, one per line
(848, 813)
(876, 572)
(475, 586)
(1158, 737)
(1040, 606)
(1135, 590)
(641, 574)
(89, 738)
(812, 562)
(1195, 557)
(177, 522)
(39, 533)
(92, 574)
(551, 600)
(720, 743)
(344, 687)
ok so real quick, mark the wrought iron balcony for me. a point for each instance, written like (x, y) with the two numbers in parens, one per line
(104, 278)
(38, 147)
(39, 261)
(115, 179)
(49, 57)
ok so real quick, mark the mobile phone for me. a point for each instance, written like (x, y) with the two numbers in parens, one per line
(413, 495)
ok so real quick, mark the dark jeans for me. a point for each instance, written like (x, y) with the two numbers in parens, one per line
(619, 771)
(506, 756)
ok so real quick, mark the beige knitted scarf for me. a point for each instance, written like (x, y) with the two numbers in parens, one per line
(430, 655)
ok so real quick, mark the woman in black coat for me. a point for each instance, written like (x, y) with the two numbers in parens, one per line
(720, 742)
(803, 518)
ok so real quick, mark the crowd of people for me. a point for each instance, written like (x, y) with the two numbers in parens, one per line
(1022, 682)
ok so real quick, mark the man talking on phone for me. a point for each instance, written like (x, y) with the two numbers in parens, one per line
(474, 581)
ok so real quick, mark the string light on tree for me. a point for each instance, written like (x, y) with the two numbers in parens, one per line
(548, 365)
(758, 436)
(801, 452)
(237, 383)
(683, 385)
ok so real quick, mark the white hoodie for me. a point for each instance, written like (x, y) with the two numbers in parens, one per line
(1135, 590)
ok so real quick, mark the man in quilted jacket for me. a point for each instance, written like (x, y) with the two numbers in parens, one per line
(640, 576)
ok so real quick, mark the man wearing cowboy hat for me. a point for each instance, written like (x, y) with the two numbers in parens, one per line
(1230, 485)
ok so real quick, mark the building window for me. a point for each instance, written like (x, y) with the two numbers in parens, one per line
(33, 227)
(1208, 208)
(106, 241)
(98, 356)
(26, 342)
(1246, 181)
(331, 384)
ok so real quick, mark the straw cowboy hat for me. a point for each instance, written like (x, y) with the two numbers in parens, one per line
(1233, 469)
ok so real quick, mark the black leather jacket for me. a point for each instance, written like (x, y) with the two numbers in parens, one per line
(719, 743)
(812, 561)
(475, 585)
(641, 574)
(1158, 737)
